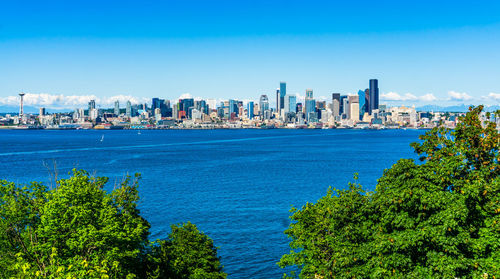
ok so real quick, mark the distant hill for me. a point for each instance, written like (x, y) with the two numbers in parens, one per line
(28, 109)
(459, 108)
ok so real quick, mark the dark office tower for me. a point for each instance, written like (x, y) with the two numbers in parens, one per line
(373, 95)
(367, 100)
(278, 100)
(336, 96)
(342, 109)
(91, 105)
(282, 94)
(155, 103)
(298, 108)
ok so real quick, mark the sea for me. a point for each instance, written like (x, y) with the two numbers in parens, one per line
(237, 186)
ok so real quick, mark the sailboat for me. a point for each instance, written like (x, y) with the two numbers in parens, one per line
(139, 132)
(102, 138)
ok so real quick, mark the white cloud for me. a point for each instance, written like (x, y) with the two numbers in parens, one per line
(393, 96)
(492, 96)
(428, 98)
(457, 96)
(70, 102)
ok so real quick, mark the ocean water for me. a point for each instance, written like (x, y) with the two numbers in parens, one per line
(237, 186)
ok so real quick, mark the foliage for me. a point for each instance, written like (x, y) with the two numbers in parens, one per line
(187, 253)
(436, 219)
(78, 230)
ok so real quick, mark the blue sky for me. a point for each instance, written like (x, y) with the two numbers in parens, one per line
(422, 52)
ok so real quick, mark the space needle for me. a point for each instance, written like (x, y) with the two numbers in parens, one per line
(21, 109)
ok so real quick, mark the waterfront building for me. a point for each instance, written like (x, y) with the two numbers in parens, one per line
(374, 96)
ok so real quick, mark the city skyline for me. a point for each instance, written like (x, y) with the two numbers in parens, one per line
(431, 53)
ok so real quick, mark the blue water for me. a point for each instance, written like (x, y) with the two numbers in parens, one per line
(235, 185)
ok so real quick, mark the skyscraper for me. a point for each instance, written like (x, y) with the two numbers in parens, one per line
(91, 105)
(128, 110)
(282, 94)
(117, 108)
(373, 95)
(278, 100)
(310, 103)
(354, 107)
(342, 108)
(290, 103)
(335, 104)
(362, 103)
(250, 107)
(264, 106)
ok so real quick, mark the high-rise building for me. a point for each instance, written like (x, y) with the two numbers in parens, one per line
(91, 105)
(282, 95)
(367, 100)
(184, 108)
(342, 101)
(117, 108)
(335, 104)
(264, 106)
(373, 95)
(354, 107)
(299, 108)
(155, 103)
(310, 104)
(345, 107)
(278, 100)
(250, 109)
(128, 110)
(290, 103)
(42, 112)
(362, 103)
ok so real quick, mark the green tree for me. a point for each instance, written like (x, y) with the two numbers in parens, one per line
(436, 219)
(78, 230)
(187, 253)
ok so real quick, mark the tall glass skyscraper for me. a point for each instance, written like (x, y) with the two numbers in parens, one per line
(263, 105)
(310, 103)
(290, 103)
(362, 103)
(282, 94)
(250, 107)
(373, 95)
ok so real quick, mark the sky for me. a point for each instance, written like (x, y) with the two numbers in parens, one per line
(64, 53)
